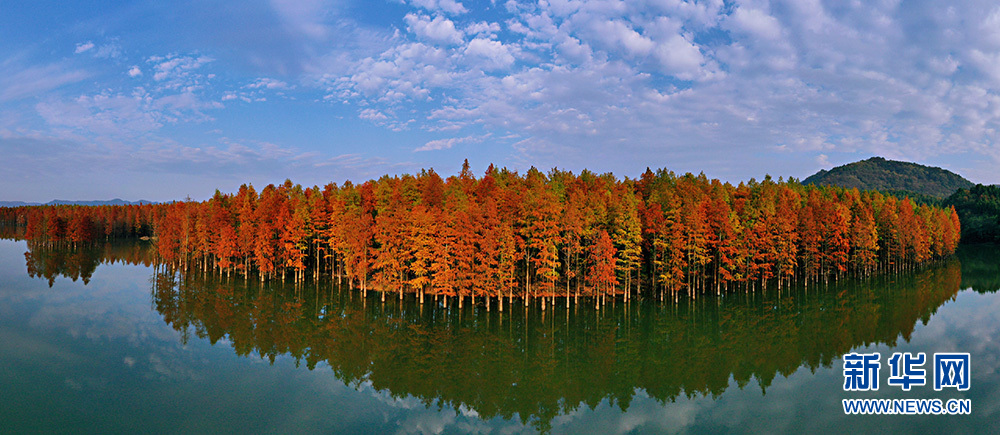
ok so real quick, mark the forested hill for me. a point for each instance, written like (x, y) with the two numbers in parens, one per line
(884, 175)
(979, 211)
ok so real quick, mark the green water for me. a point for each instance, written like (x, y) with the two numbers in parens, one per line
(95, 340)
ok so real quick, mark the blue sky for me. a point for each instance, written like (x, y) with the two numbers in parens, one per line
(163, 100)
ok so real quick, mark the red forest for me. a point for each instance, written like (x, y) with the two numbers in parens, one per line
(506, 235)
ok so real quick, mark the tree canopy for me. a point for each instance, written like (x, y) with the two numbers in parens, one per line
(979, 210)
(532, 235)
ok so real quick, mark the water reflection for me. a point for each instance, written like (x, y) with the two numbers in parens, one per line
(79, 261)
(980, 267)
(538, 365)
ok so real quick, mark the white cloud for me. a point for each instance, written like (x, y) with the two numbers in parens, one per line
(443, 144)
(754, 23)
(823, 160)
(268, 83)
(111, 50)
(988, 63)
(617, 33)
(449, 6)
(492, 54)
(700, 15)
(373, 115)
(305, 17)
(565, 81)
(517, 27)
(176, 65)
(18, 81)
(256, 91)
(178, 96)
(385, 119)
(574, 51)
(439, 29)
(179, 72)
(185, 104)
(404, 72)
(83, 47)
(659, 76)
(482, 28)
(564, 8)
(680, 58)
(102, 114)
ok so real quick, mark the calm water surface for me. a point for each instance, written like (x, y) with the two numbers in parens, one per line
(95, 340)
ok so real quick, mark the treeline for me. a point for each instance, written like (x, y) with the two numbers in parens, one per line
(979, 209)
(79, 223)
(536, 235)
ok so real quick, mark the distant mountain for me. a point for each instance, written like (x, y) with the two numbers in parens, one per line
(898, 178)
(16, 203)
(116, 201)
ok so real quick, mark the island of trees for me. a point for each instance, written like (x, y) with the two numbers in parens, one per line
(510, 236)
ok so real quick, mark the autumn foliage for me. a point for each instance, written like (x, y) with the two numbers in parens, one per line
(505, 235)
(81, 224)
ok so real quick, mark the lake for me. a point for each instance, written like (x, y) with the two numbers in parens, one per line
(96, 339)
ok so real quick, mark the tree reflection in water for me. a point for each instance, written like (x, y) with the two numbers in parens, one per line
(49, 260)
(540, 364)
(532, 364)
